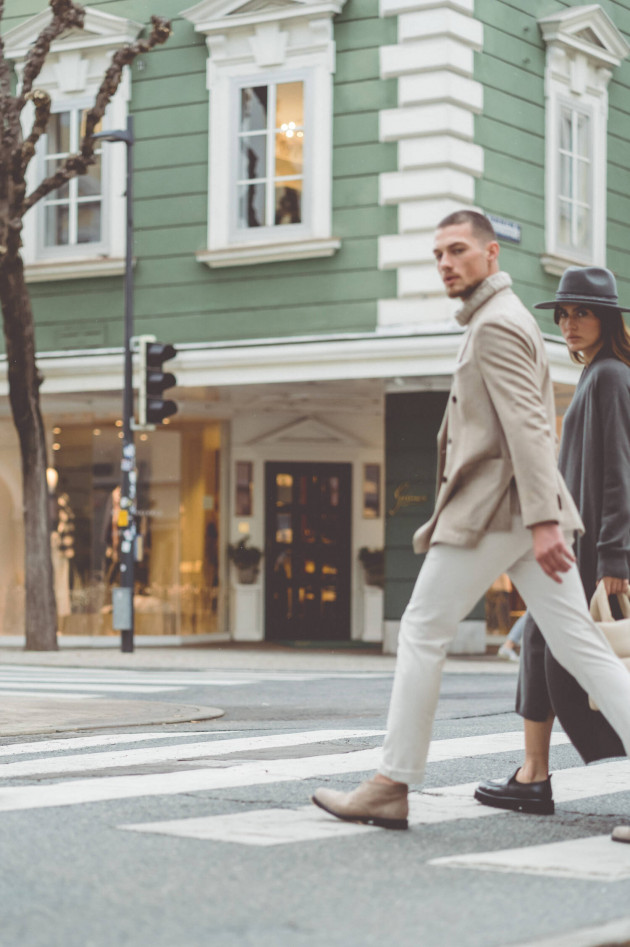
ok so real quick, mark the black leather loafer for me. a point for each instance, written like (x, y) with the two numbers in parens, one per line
(507, 793)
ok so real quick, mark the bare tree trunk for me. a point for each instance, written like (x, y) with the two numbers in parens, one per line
(15, 154)
(24, 382)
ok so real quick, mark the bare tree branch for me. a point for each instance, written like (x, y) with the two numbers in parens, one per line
(41, 101)
(79, 163)
(66, 15)
(160, 32)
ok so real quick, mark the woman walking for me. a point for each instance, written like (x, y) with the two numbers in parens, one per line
(595, 463)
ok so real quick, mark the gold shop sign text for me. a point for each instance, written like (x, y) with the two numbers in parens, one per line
(402, 498)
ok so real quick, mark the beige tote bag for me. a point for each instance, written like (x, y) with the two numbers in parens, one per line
(617, 632)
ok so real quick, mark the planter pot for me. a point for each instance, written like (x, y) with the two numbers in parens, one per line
(246, 613)
(372, 613)
(247, 574)
(374, 577)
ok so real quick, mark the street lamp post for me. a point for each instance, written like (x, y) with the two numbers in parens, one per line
(122, 601)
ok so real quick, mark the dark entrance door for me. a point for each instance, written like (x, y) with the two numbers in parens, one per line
(308, 551)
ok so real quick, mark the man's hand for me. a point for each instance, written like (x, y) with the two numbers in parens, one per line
(551, 551)
(614, 586)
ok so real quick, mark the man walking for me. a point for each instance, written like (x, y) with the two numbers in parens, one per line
(502, 506)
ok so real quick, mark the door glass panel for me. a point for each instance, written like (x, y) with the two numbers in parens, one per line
(284, 531)
(284, 485)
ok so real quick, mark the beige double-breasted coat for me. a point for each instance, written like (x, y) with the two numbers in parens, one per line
(497, 445)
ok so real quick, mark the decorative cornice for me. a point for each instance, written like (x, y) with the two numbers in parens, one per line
(587, 30)
(217, 16)
(100, 30)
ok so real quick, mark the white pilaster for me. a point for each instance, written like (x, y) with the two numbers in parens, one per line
(438, 160)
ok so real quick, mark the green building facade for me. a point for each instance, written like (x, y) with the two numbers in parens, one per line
(292, 158)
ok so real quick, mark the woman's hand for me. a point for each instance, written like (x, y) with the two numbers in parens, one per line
(615, 586)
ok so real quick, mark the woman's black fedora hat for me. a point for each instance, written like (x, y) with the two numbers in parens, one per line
(592, 285)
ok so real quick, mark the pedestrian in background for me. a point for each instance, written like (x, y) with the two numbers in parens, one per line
(595, 463)
(502, 506)
(513, 641)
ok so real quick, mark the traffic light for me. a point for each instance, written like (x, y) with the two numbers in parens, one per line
(152, 407)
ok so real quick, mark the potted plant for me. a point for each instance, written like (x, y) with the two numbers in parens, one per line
(373, 561)
(246, 559)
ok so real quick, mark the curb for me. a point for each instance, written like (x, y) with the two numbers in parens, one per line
(19, 717)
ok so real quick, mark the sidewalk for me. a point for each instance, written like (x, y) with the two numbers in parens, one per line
(227, 656)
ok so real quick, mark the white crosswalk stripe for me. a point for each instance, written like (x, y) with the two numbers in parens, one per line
(80, 770)
(586, 859)
(446, 804)
(238, 774)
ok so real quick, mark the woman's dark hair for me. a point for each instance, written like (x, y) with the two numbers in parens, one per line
(615, 333)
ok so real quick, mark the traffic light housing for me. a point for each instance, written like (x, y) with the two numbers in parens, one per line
(153, 408)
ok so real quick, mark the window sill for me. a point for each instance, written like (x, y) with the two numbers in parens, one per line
(253, 253)
(556, 264)
(92, 267)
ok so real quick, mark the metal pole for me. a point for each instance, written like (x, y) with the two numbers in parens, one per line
(127, 522)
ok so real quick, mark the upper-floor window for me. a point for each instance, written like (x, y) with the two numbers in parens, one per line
(271, 155)
(575, 181)
(269, 73)
(79, 229)
(73, 214)
(583, 46)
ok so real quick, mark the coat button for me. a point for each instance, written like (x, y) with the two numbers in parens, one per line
(444, 479)
(450, 440)
(454, 398)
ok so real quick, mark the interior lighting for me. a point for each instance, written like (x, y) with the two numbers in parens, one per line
(52, 478)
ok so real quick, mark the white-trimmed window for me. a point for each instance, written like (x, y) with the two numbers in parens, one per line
(574, 211)
(270, 168)
(71, 218)
(583, 46)
(79, 230)
(270, 147)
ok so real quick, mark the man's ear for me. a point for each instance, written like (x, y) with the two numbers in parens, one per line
(492, 249)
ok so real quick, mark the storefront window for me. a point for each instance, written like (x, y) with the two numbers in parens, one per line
(177, 572)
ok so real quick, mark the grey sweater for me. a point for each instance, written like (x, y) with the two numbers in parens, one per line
(595, 463)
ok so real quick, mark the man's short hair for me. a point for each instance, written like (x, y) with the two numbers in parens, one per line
(481, 226)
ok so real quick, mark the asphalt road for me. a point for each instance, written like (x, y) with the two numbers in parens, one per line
(202, 833)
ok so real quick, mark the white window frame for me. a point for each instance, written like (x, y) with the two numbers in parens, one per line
(271, 233)
(61, 252)
(270, 45)
(72, 75)
(576, 108)
(583, 46)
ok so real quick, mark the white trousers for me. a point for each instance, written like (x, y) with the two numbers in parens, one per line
(451, 580)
